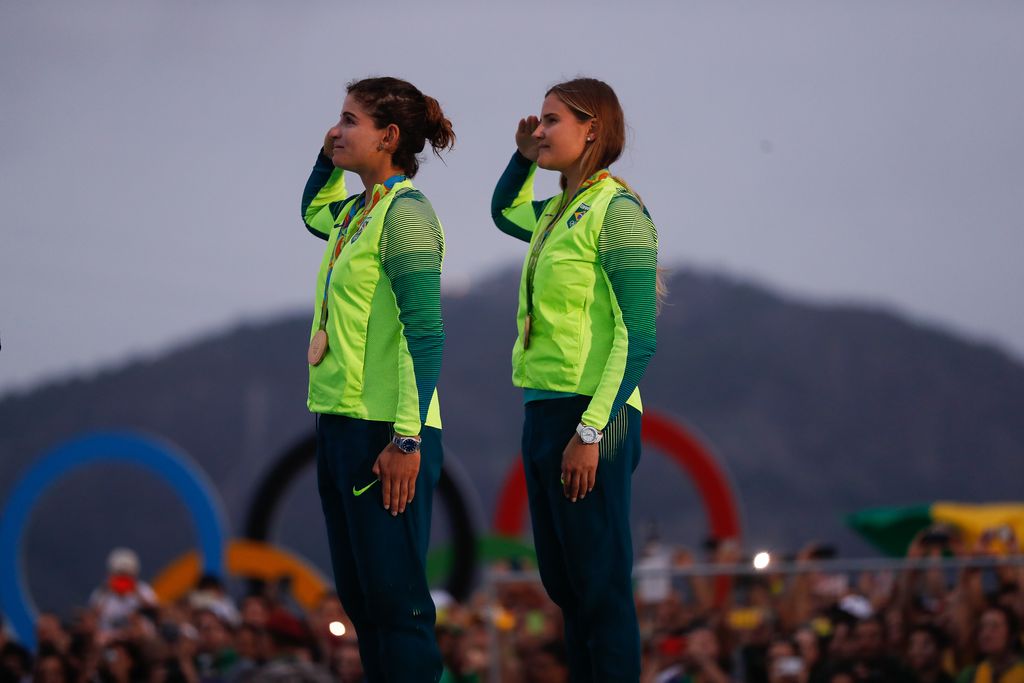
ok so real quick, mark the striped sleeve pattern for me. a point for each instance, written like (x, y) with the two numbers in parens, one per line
(411, 250)
(513, 208)
(628, 251)
(323, 197)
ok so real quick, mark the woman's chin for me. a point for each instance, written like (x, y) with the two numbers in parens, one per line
(545, 162)
(339, 161)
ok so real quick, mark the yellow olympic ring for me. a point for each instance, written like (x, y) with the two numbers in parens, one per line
(248, 559)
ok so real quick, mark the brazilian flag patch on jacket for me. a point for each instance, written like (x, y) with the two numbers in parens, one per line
(580, 211)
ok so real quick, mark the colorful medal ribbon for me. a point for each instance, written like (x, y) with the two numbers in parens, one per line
(538, 246)
(378, 193)
(318, 345)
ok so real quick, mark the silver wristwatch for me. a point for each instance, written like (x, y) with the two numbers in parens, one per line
(406, 444)
(588, 435)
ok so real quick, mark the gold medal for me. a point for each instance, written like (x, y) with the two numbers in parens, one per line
(526, 332)
(317, 347)
(318, 344)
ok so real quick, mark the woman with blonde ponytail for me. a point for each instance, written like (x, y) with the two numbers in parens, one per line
(587, 303)
(374, 357)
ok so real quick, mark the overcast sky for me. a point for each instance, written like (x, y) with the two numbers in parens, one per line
(152, 154)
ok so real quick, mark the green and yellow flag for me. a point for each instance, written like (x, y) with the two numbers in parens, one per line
(891, 529)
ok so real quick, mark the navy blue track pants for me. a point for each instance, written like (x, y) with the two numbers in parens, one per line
(585, 549)
(379, 560)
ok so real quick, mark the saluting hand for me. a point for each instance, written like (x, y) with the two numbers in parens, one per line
(329, 139)
(525, 141)
(579, 468)
(397, 473)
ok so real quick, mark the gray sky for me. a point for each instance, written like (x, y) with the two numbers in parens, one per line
(152, 154)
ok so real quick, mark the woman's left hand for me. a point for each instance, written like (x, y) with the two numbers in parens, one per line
(579, 468)
(397, 473)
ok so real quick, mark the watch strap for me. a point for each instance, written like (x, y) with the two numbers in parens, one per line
(587, 434)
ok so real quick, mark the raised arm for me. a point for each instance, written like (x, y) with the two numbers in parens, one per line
(411, 250)
(628, 250)
(323, 196)
(512, 205)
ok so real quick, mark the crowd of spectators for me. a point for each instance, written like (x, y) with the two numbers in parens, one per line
(925, 624)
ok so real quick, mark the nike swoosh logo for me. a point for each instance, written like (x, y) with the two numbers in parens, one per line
(359, 492)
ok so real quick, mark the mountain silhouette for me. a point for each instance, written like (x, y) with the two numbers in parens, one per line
(814, 411)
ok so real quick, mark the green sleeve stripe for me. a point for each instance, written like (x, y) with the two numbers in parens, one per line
(513, 208)
(411, 250)
(323, 197)
(628, 250)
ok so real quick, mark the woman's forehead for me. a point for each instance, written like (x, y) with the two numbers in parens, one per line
(553, 105)
(352, 105)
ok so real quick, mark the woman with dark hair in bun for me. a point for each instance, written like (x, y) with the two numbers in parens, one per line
(587, 303)
(374, 357)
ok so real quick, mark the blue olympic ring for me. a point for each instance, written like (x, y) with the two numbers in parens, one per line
(169, 464)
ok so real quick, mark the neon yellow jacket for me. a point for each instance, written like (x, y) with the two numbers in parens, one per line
(580, 337)
(378, 307)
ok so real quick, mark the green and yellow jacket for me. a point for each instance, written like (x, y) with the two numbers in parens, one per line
(383, 298)
(594, 294)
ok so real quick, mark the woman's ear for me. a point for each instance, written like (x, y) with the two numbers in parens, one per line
(391, 136)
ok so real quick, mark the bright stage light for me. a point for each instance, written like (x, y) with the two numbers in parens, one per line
(761, 560)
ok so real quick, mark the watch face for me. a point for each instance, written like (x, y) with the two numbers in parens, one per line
(588, 435)
(407, 445)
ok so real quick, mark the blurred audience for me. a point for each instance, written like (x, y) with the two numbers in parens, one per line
(915, 626)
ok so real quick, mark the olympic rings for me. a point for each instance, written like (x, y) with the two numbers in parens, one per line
(254, 559)
(159, 458)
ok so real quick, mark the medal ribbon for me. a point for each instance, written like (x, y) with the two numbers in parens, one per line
(379, 191)
(538, 246)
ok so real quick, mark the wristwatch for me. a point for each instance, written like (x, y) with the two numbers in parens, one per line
(588, 435)
(406, 444)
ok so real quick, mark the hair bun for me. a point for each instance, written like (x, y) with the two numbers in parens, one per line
(440, 133)
(419, 118)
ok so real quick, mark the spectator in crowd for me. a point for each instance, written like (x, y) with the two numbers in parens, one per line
(872, 662)
(123, 663)
(251, 644)
(216, 656)
(15, 663)
(345, 662)
(809, 647)
(784, 663)
(256, 610)
(926, 647)
(210, 594)
(50, 633)
(177, 664)
(291, 653)
(999, 645)
(547, 664)
(51, 667)
(122, 594)
(703, 656)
